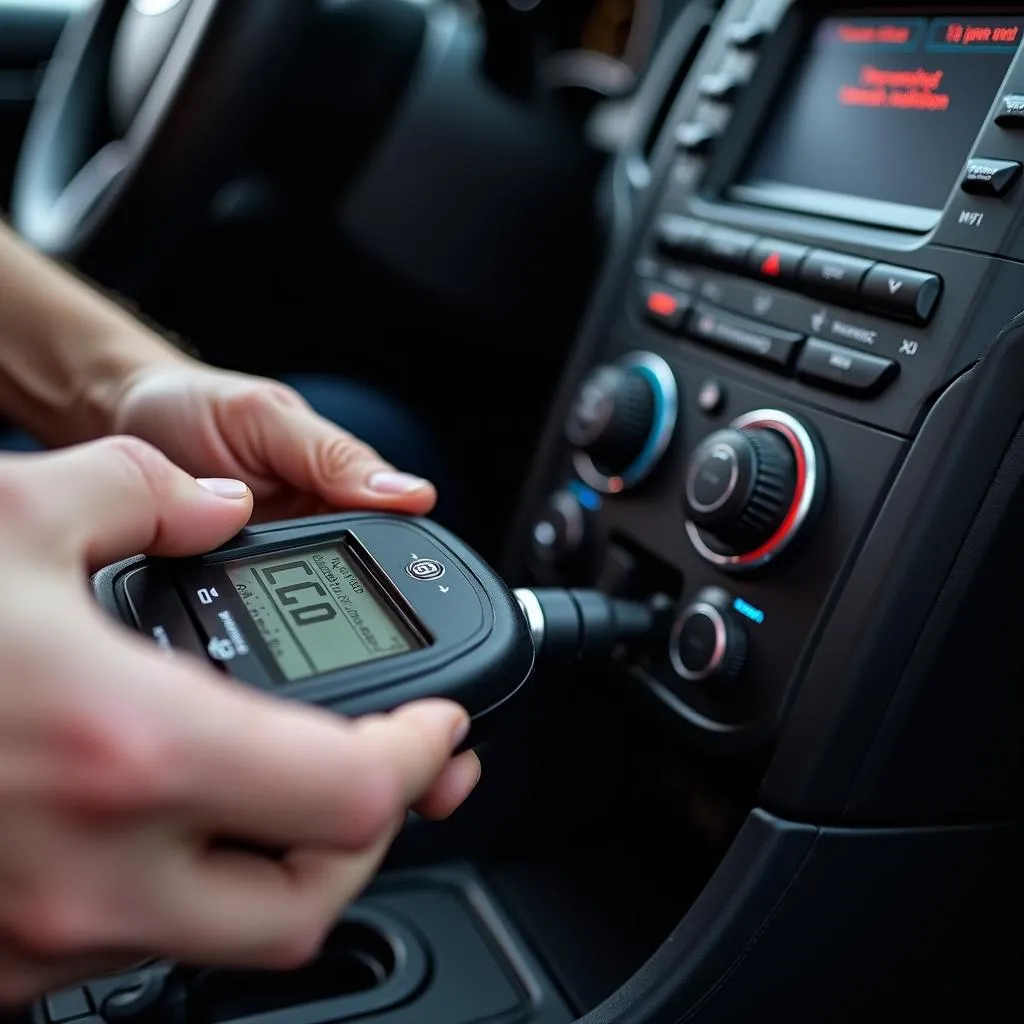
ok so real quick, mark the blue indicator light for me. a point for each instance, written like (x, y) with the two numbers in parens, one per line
(585, 495)
(747, 609)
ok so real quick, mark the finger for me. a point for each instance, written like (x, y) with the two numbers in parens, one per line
(452, 788)
(235, 910)
(118, 497)
(313, 455)
(289, 775)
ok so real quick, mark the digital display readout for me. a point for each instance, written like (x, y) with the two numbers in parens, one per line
(317, 612)
(883, 110)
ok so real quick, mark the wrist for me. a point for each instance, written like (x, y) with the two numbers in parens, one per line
(116, 360)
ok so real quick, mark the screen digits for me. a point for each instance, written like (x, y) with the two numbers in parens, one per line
(304, 615)
(316, 613)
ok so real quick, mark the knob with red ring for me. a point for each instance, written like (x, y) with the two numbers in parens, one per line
(753, 489)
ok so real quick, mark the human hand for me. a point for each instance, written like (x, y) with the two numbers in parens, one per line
(121, 769)
(219, 423)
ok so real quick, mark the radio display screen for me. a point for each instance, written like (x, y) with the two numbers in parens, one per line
(880, 117)
(316, 611)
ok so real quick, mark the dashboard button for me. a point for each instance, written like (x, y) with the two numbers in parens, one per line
(720, 86)
(772, 260)
(1011, 111)
(695, 137)
(746, 338)
(993, 178)
(746, 35)
(901, 292)
(680, 236)
(68, 1004)
(728, 248)
(708, 642)
(664, 306)
(843, 368)
(833, 274)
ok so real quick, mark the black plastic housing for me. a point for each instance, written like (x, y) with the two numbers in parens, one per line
(477, 647)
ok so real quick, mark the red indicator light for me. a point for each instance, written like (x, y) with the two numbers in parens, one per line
(772, 265)
(661, 304)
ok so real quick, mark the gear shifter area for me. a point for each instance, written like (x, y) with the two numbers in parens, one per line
(459, 962)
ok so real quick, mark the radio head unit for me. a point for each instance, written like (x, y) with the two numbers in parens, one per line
(877, 119)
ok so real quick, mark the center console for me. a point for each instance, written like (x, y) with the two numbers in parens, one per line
(794, 409)
(824, 241)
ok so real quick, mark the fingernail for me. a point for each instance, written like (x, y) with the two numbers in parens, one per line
(391, 482)
(225, 488)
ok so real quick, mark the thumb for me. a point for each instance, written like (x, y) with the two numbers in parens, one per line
(120, 497)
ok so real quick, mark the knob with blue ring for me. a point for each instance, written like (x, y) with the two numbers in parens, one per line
(622, 421)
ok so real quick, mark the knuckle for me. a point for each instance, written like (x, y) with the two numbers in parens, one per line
(373, 813)
(341, 454)
(50, 927)
(140, 458)
(116, 763)
(19, 502)
(267, 394)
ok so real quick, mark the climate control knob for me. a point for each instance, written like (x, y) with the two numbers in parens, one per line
(622, 420)
(560, 530)
(708, 641)
(751, 489)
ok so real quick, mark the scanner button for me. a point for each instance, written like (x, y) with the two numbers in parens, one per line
(425, 569)
(160, 614)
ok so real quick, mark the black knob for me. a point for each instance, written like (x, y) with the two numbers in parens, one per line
(708, 641)
(739, 486)
(560, 530)
(612, 417)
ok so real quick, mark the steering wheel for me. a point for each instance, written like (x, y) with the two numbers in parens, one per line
(144, 108)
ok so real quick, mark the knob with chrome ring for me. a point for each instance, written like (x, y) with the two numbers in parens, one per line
(622, 421)
(753, 489)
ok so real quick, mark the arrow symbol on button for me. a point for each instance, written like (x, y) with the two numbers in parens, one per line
(894, 285)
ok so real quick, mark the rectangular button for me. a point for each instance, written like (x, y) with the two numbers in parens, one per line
(900, 292)
(681, 237)
(993, 178)
(664, 306)
(844, 369)
(160, 614)
(743, 337)
(720, 86)
(68, 1004)
(775, 261)
(695, 137)
(728, 248)
(833, 274)
(1011, 111)
(232, 638)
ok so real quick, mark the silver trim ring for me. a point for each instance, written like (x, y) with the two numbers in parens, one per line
(530, 604)
(666, 405)
(734, 475)
(721, 639)
(796, 434)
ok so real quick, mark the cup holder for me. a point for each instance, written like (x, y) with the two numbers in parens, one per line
(357, 958)
(371, 961)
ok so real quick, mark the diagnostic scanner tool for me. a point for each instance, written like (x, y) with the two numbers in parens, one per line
(357, 612)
